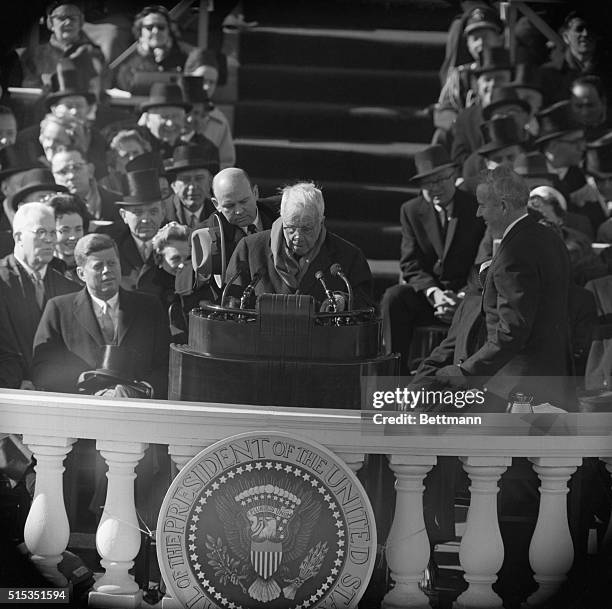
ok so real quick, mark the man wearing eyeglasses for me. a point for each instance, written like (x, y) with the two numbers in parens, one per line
(440, 238)
(27, 280)
(71, 169)
(65, 22)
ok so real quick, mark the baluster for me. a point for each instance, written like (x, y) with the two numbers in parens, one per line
(47, 531)
(408, 545)
(180, 455)
(118, 534)
(353, 460)
(551, 551)
(481, 553)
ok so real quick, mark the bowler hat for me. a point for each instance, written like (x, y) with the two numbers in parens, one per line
(598, 160)
(556, 121)
(493, 59)
(31, 181)
(67, 81)
(499, 133)
(482, 17)
(117, 365)
(190, 156)
(430, 160)
(140, 187)
(164, 94)
(146, 160)
(193, 87)
(532, 165)
(504, 96)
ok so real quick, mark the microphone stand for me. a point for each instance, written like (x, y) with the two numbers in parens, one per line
(336, 270)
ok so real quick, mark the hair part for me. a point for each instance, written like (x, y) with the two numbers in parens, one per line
(304, 196)
(90, 244)
(506, 185)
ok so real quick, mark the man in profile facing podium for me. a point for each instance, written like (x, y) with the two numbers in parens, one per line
(299, 256)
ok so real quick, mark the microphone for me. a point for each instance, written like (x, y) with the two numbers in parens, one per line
(248, 291)
(241, 267)
(328, 293)
(336, 270)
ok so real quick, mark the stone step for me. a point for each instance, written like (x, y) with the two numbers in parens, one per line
(319, 121)
(286, 160)
(376, 49)
(414, 88)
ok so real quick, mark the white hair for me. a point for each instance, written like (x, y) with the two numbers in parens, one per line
(303, 196)
(23, 216)
(504, 183)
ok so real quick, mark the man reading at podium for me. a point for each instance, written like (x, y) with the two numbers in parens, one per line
(299, 256)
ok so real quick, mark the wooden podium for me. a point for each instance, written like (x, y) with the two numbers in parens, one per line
(281, 353)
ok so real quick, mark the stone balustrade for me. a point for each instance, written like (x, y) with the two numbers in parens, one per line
(51, 423)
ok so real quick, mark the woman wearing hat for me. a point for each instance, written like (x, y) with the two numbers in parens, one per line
(158, 46)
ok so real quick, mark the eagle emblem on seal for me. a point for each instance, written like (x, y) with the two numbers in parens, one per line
(268, 524)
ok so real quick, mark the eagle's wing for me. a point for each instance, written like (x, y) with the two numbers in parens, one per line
(300, 527)
(235, 525)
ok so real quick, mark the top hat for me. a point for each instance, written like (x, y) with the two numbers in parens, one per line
(532, 165)
(190, 156)
(527, 76)
(117, 365)
(556, 120)
(164, 94)
(140, 188)
(66, 81)
(482, 17)
(146, 160)
(499, 133)
(12, 162)
(430, 160)
(504, 96)
(598, 161)
(199, 57)
(193, 87)
(493, 59)
(31, 181)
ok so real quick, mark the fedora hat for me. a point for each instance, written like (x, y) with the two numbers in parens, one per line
(482, 17)
(139, 188)
(499, 133)
(65, 82)
(117, 365)
(556, 121)
(598, 161)
(532, 165)
(504, 96)
(146, 160)
(190, 156)
(164, 94)
(431, 160)
(193, 88)
(493, 59)
(30, 181)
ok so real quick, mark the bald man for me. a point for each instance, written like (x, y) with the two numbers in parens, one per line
(27, 280)
(238, 207)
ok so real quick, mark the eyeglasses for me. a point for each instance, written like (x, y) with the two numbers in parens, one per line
(42, 233)
(431, 182)
(69, 18)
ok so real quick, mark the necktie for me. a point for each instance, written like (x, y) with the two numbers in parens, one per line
(147, 248)
(107, 326)
(39, 288)
(442, 219)
(193, 222)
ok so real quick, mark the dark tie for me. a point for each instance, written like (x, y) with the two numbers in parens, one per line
(107, 326)
(39, 288)
(442, 221)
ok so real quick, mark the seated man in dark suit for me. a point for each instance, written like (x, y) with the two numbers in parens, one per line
(75, 328)
(440, 237)
(28, 280)
(289, 256)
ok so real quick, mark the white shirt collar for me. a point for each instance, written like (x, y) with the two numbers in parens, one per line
(41, 272)
(509, 227)
(112, 303)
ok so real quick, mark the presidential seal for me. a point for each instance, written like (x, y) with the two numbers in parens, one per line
(266, 520)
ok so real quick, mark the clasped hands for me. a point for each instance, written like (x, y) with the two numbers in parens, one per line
(445, 303)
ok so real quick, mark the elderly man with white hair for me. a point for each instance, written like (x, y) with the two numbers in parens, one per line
(289, 256)
(27, 280)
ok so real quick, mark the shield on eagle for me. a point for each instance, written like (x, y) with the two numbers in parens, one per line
(266, 557)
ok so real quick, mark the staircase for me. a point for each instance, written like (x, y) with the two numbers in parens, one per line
(344, 108)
